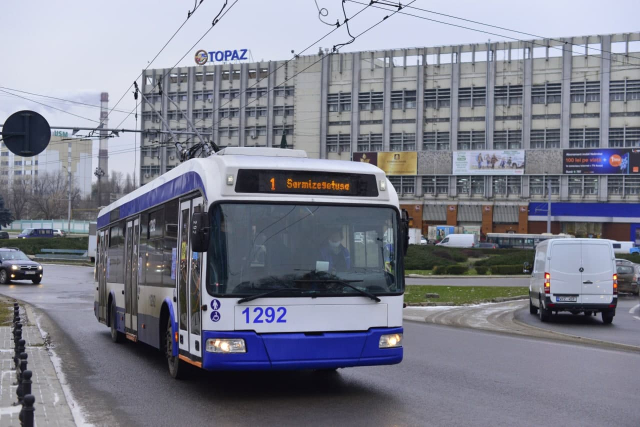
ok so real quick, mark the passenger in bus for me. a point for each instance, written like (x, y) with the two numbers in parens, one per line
(335, 253)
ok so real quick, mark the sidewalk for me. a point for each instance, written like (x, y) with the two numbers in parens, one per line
(51, 407)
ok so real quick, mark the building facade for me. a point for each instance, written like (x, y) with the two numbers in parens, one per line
(494, 127)
(62, 152)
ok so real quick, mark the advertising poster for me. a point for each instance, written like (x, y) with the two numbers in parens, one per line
(488, 162)
(391, 162)
(601, 161)
(443, 231)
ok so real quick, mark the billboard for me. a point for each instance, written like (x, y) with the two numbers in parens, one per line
(487, 162)
(601, 161)
(391, 162)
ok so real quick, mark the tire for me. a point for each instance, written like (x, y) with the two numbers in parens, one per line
(532, 308)
(4, 277)
(176, 369)
(116, 336)
(37, 281)
(544, 313)
(607, 317)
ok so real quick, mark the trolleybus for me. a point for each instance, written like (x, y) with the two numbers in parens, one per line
(257, 259)
(521, 241)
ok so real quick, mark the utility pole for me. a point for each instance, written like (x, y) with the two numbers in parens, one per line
(548, 204)
(69, 208)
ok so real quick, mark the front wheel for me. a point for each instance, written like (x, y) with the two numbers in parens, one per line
(175, 367)
(116, 336)
(532, 308)
(4, 277)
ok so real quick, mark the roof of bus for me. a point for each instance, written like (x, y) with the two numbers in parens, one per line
(214, 170)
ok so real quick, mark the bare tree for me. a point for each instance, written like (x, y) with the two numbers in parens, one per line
(18, 199)
(50, 195)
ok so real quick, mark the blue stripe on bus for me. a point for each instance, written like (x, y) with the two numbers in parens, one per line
(301, 351)
(183, 184)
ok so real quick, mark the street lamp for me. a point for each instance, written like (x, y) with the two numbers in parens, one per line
(69, 208)
(99, 173)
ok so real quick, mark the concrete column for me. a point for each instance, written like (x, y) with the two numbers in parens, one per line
(217, 79)
(487, 219)
(244, 76)
(565, 113)
(386, 122)
(491, 83)
(418, 191)
(455, 87)
(420, 107)
(564, 187)
(271, 82)
(324, 113)
(453, 190)
(526, 192)
(526, 102)
(603, 188)
(355, 106)
(605, 79)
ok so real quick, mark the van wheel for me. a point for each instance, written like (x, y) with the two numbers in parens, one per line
(532, 308)
(544, 313)
(607, 317)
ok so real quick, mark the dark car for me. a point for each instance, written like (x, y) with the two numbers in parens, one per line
(15, 265)
(487, 245)
(4, 235)
(627, 278)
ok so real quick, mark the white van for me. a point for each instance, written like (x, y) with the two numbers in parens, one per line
(459, 241)
(622, 247)
(575, 275)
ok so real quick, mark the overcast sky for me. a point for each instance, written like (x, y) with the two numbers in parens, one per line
(75, 49)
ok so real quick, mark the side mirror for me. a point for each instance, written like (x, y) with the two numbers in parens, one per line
(405, 231)
(199, 232)
(526, 268)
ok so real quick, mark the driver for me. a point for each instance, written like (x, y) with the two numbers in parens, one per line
(334, 252)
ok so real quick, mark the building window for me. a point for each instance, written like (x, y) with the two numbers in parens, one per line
(548, 93)
(435, 185)
(371, 101)
(631, 185)
(257, 92)
(471, 140)
(624, 137)
(339, 102)
(436, 141)
(624, 90)
(255, 131)
(437, 98)
(283, 110)
(229, 94)
(5, 154)
(545, 138)
(227, 132)
(583, 185)
(538, 185)
(403, 99)
(253, 73)
(285, 91)
(370, 142)
(402, 141)
(17, 163)
(339, 143)
(472, 96)
(507, 185)
(229, 113)
(286, 129)
(585, 92)
(508, 95)
(615, 185)
(403, 184)
(584, 138)
(507, 139)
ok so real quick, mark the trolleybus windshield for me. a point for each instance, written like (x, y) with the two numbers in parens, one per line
(316, 250)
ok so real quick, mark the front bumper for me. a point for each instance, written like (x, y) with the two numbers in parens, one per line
(22, 275)
(295, 351)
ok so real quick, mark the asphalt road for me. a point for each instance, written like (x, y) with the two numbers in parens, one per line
(625, 328)
(450, 376)
(472, 281)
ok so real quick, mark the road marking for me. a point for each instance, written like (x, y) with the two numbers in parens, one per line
(633, 309)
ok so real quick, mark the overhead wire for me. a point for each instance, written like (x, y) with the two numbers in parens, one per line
(58, 99)
(49, 106)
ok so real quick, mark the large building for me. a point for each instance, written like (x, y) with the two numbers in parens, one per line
(471, 135)
(63, 151)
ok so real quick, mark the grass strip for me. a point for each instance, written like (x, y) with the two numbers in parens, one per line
(460, 295)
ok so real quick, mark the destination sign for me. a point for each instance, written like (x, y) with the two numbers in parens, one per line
(304, 182)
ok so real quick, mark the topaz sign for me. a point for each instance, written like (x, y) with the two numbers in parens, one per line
(202, 56)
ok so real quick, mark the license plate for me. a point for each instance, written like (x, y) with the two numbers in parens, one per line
(30, 272)
(566, 299)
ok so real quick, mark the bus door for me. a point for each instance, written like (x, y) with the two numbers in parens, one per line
(102, 275)
(132, 243)
(189, 284)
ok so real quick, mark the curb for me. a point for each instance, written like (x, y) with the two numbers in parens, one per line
(448, 304)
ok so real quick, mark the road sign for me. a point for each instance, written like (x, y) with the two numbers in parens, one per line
(26, 133)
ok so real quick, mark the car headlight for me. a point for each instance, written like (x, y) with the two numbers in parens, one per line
(226, 345)
(390, 341)
(39, 267)
(15, 267)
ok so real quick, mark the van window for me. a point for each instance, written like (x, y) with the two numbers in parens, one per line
(617, 246)
(446, 240)
(622, 269)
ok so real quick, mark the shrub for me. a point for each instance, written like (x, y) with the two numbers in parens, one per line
(631, 257)
(506, 269)
(440, 270)
(481, 269)
(34, 246)
(512, 257)
(457, 269)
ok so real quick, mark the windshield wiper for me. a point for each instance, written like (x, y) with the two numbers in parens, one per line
(346, 283)
(264, 294)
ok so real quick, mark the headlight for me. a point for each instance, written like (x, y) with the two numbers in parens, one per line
(39, 267)
(15, 267)
(220, 345)
(390, 341)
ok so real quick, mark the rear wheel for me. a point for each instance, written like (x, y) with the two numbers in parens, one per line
(607, 317)
(532, 308)
(116, 336)
(544, 313)
(175, 367)
(4, 277)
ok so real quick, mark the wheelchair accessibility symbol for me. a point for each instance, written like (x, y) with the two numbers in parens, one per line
(215, 316)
